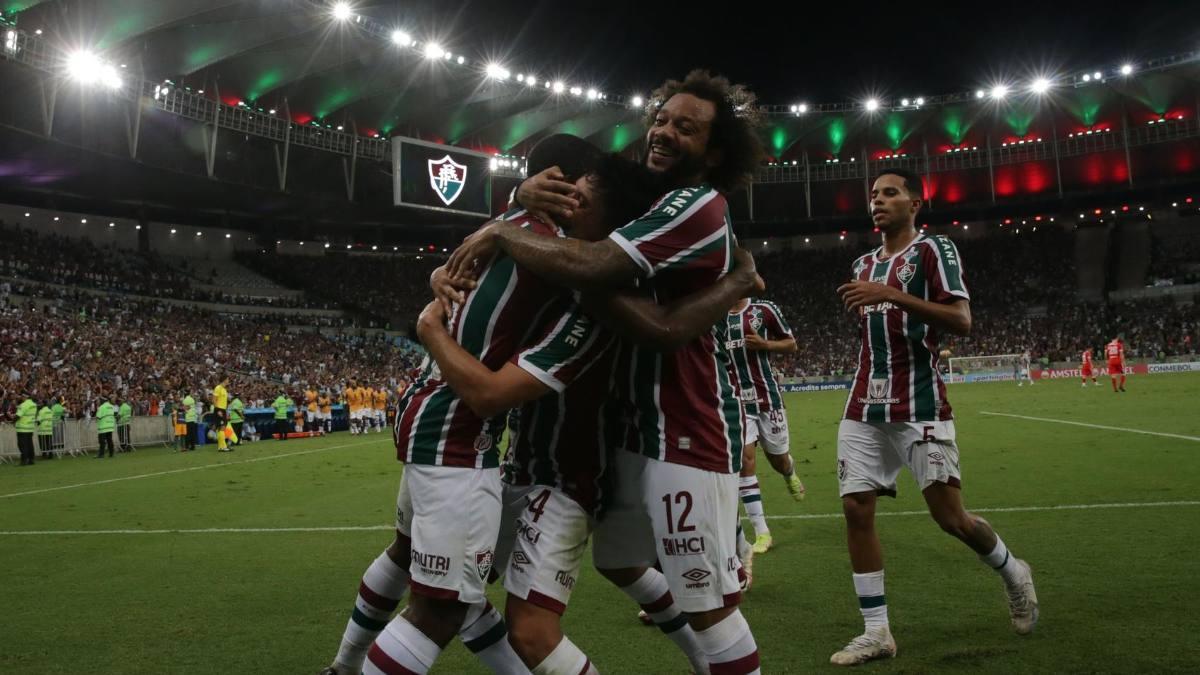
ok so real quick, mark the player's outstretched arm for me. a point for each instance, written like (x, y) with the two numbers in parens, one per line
(668, 327)
(954, 317)
(486, 392)
(573, 263)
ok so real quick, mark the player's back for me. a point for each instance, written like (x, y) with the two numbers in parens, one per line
(1114, 350)
(508, 306)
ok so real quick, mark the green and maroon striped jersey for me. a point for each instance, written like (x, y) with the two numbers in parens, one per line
(556, 440)
(683, 404)
(510, 313)
(897, 378)
(757, 388)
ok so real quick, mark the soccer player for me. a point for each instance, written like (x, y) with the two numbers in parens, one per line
(1022, 367)
(1085, 368)
(353, 406)
(281, 405)
(380, 399)
(676, 501)
(1115, 353)
(310, 408)
(325, 408)
(237, 418)
(752, 330)
(897, 415)
(554, 471)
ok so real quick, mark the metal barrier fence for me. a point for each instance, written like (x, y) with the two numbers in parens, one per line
(77, 437)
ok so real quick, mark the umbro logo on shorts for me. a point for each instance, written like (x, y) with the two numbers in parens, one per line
(696, 574)
(519, 558)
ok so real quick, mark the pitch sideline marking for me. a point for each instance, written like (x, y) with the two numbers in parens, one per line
(370, 528)
(190, 468)
(1093, 426)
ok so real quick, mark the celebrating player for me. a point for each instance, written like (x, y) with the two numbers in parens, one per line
(1115, 353)
(897, 413)
(751, 331)
(1021, 366)
(675, 499)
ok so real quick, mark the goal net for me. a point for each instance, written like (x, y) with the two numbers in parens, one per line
(989, 368)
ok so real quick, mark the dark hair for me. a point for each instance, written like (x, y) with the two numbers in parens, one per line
(734, 126)
(626, 189)
(573, 155)
(912, 182)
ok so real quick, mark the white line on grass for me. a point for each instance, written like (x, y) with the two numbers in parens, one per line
(1094, 426)
(371, 528)
(190, 468)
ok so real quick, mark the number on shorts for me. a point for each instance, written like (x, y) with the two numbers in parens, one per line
(684, 497)
(537, 505)
(927, 437)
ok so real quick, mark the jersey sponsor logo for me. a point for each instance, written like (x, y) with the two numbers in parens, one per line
(433, 565)
(681, 546)
(447, 178)
(565, 579)
(685, 443)
(483, 562)
(881, 307)
(679, 202)
(948, 255)
(528, 532)
(859, 267)
(731, 345)
(879, 392)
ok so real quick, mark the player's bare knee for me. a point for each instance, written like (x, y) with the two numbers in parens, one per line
(439, 620)
(533, 638)
(958, 525)
(622, 577)
(859, 510)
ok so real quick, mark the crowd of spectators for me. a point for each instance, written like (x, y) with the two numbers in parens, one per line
(390, 290)
(149, 353)
(1023, 298)
(1175, 260)
(80, 263)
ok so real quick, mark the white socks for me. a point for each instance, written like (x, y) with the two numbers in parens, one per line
(484, 633)
(379, 593)
(729, 646)
(1004, 564)
(401, 648)
(654, 596)
(871, 600)
(751, 496)
(566, 659)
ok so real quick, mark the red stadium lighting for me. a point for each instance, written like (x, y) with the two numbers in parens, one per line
(432, 248)
(1008, 221)
(1037, 218)
(1188, 200)
(955, 222)
(1098, 211)
(1124, 208)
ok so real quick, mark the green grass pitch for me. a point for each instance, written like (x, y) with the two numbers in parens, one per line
(1117, 584)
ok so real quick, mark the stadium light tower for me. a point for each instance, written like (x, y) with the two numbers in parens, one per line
(87, 68)
(1126, 69)
(342, 11)
(401, 39)
(1040, 86)
(872, 104)
(434, 51)
(999, 91)
(636, 101)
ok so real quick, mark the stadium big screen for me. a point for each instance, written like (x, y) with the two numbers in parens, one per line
(441, 178)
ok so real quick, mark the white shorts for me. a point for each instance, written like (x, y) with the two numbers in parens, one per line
(543, 535)
(870, 455)
(380, 416)
(310, 415)
(324, 415)
(452, 516)
(686, 518)
(769, 429)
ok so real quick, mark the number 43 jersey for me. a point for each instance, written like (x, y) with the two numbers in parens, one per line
(897, 378)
